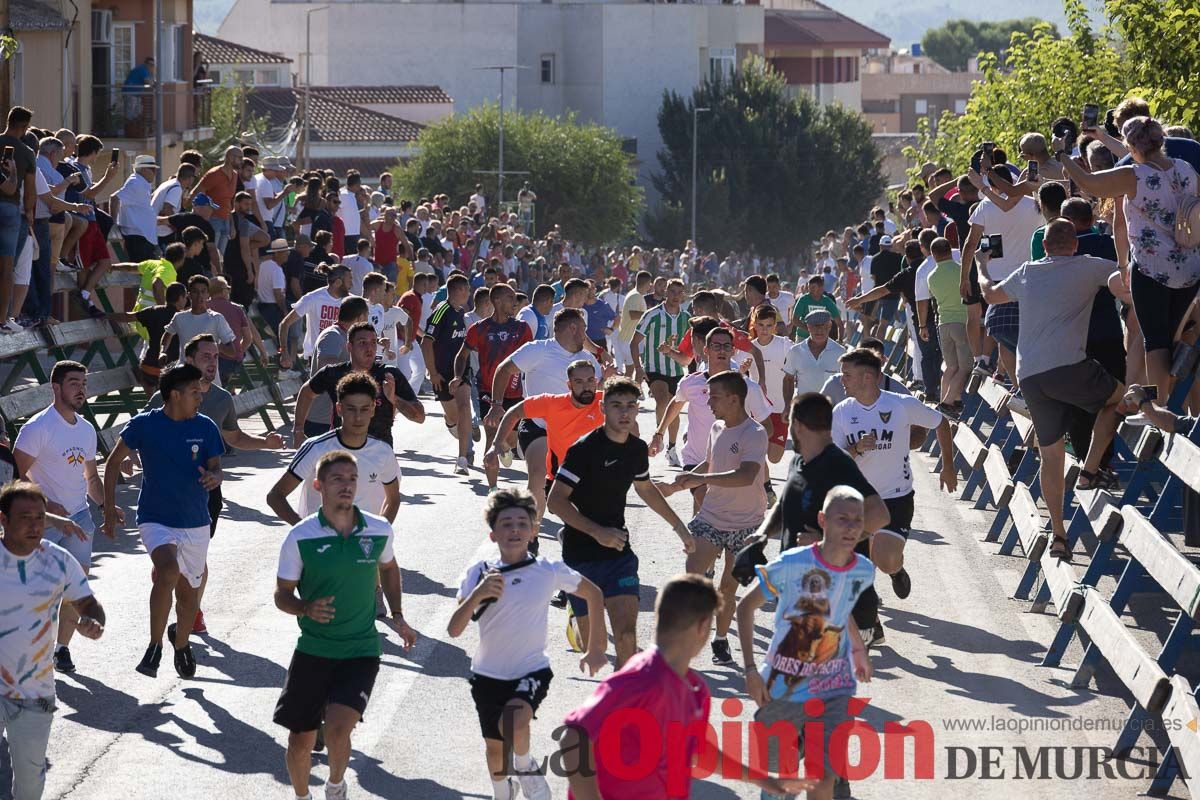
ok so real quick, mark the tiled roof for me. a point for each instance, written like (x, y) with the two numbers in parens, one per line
(223, 51)
(30, 15)
(821, 26)
(384, 95)
(331, 120)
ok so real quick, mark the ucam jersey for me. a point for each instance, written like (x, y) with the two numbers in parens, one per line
(890, 418)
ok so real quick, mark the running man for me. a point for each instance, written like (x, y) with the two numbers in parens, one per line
(36, 577)
(816, 588)
(56, 449)
(494, 340)
(328, 583)
(180, 451)
(875, 427)
(510, 672)
(589, 496)
(659, 330)
(444, 334)
(735, 501)
(773, 349)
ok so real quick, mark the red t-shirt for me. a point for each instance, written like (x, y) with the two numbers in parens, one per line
(741, 340)
(645, 691)
(494, 342)
(410, 301)
(387, 245)
(338, 247)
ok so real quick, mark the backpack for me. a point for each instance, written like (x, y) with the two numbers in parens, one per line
(1187, 222)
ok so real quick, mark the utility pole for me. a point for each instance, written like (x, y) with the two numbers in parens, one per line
(308, 78)
(500, 171)
(695, 115)
(158, 81)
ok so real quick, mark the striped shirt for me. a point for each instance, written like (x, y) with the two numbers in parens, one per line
(658, 327)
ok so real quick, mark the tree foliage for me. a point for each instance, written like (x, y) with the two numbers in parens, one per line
(1162, 61)
(581, 175)
(959, 40)
(232, 123)
(773, 171)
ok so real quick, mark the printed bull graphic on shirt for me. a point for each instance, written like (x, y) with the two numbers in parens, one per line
(810, 640)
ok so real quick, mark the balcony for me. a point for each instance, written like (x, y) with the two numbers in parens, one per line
(128, 112)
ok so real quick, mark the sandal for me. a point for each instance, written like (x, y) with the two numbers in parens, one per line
(1060, 549)
(1088, 481)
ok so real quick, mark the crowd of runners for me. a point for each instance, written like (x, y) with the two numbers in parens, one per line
(540, 358)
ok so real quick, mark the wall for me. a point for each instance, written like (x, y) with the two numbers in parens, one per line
(42, 76)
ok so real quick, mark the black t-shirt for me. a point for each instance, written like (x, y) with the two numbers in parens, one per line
(448, 327)
(652, 300)
(807, 484)
(600, 471)
(905, 285)
(8, 466)
(154, 319)
(326, 380)
(873, 243)
(1105, 324)
(960, 213)
(885, 266)
(195, 265)
(294, 269)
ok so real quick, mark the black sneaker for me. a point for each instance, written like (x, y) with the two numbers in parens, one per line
(62, 660)
(319, 742)
(721, 653)
(185, 662)
(559, 600)
(841, 788)
(171, 634)
(902, 584)
(150, 661)
(875, 638)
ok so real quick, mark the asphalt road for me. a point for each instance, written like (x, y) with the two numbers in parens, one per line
(958, 653)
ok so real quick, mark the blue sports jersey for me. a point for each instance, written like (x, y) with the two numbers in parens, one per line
(173, 453)
(809, 654)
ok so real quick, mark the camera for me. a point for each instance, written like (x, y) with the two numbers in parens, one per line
(993, 245)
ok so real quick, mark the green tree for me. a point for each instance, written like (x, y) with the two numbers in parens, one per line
(582, 176)
(959, 40)
(774, 171)
(1161, 57)
(231, 121)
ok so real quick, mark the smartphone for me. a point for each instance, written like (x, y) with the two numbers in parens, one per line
(1091, 115)
(1110, 124)
(1151, 392)
(9, 153)
(988, 147)
(985, 244)
(116, 155)
(1031, 171)
(996, 242)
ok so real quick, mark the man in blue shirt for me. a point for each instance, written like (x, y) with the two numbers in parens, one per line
(600, 317)
(180, 451)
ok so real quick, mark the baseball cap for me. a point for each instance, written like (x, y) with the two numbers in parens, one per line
(202, 199)
(885, 241)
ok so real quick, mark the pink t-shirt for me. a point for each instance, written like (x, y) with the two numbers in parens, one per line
(646, 691)
(237, 320)
(728, 508)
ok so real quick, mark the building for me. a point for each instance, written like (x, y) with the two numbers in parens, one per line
(231, 64)
(42, 72)
(900, 88)
(609, 62)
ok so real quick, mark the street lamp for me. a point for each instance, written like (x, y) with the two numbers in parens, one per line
(308, 76)
(500, 171)
(695, 115)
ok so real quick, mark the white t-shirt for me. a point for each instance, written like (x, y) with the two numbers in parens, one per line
(544, 364)
(693, 390)
(426, 309)
(921, 290)
(783, 304)
(348, 212)
(320, 310)
(890, 418)
(391, 318)
(1016, 228)
(265, 188)
(865, 282)
(479, 201)
(376, 469)
(270, 278)
(31, 589)
(774, 355)
(512, 630)
(529, 317)
(810, 371)
(168, 191)
(60, 452)
(615, 301)
(360, 267)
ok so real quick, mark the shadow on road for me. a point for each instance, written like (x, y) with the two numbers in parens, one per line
(957, 636)
(375, 779)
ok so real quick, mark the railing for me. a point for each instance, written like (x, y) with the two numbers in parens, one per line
(128, 112)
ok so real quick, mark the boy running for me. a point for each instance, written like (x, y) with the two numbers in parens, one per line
(510, 671)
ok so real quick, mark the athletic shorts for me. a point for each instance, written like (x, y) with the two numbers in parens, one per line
(23, 263)
(867, 309)
(313, 682)
(80, 548)
(191, 547)
(672, 382)
(216, 502)
(834, 714)
(901, 511)
(622, 353)
(1054, 395)
(777, 429)
(312, 429)
(492, 695)
(485, 403)
(528, 432)
(615, 577)
(888, 306)
(730, 541)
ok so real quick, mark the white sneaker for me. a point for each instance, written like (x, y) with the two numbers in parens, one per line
(512, 790)
(534, 786)
(673, 457)
(461, 467)
(14, 326)
(335, 792)
(506, 458)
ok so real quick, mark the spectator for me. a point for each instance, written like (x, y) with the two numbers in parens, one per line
(245, 334)
(135, 89)
(360, 265)
(815, 297)
(272, 284)
(270, 193)
(50, 186)
(134, 212)
(942, 286)
(18, 201)
(246, 238)
(220, 184)
(94, 255)
(207, 261)
(167, 200)
(352, 211)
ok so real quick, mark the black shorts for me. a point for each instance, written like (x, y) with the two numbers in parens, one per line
(1052, 396)
(491, 696)
(485, 403)
(314, 682)
(215, 502)
(313, 429)
(976, 297)
(901, 511)
(867, 309)
(528, 432)
(671, 382)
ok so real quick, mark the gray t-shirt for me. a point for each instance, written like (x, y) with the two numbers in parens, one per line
(217, 405)
(1055, 297)
(186, 325)
(331, 348)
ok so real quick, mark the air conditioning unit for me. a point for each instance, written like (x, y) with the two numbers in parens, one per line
(102, 22)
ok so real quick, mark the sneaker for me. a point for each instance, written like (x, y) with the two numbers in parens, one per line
(981, 368)
(513, 790)
(559, 600)
(63, 266)
(950, 411)
(150, 661)
(62, 660)
(902, 584)
(875, 637)
(1139, 420)
(506, 459)
(476, 435)
(673, 457)
(319, 742)
(461, 466)
(14, 326)
(533, 785)
(841, 788)
(336, 792)
(721, 653)
(185, 662)
(171, 634)
(198, 626)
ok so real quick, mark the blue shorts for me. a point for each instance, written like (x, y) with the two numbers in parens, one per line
(887, 307)
(615, 577)
(80, 548)
(11, 220)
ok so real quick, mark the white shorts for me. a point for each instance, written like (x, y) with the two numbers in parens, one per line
(23, 265)
(191, 547)
(622, 354)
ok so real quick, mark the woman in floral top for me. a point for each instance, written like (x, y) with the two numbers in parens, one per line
(1165, 276)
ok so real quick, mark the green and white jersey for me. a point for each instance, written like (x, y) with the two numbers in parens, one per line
(327, 564)
(658, 327)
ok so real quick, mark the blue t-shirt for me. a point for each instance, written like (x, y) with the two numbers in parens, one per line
(172, 453)
(559, 290)
(809, 654)
(600, 315)
(1186, 149)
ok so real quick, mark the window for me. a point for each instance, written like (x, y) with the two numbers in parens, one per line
(214, 75)
(266, 77)
(547, 68)
(721, 62)
(244, 77)
(921, 107)
(960, 106)
(122, 51)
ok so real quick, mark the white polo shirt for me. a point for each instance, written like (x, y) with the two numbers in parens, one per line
(811, 371)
